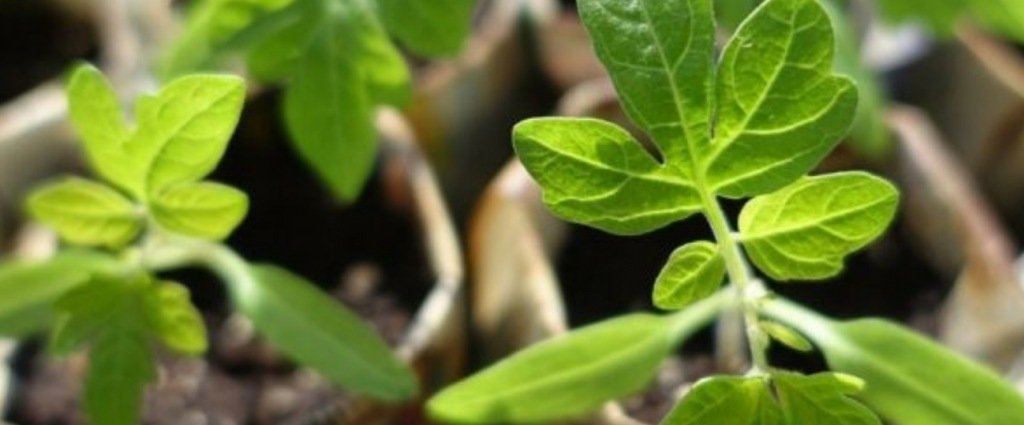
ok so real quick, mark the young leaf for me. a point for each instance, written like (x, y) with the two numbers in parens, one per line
(206, 210)
(85, 212)
(805, 230)
(210, 27)
(90, 310)
(31, 289)
(786, 335)
(173, 319)
(660, 54)
(763, 140)
(428, 27)
(120, 366)
(693, 272)
(184, 130)
(277, 54)
(340, 65)
(562, 378)
(321, 334)
(726, 400)
(330, 115)
(593, 172)
(780, 108)
(98, 118)
(910, 379)
(821, 399)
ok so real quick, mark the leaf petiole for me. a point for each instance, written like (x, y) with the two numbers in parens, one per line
(748, 290)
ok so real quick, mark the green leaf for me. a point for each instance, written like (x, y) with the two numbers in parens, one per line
(210, 28)
(731, 13)
(320, 333)
(693, 272)
(89, 311)
(911, 380)
(796, 399)
(593, 172)
(98, 118)
(562, 378)
(780, 111)
(205, 209)
(184, 130)
(780, 108)
(339, 131)
(382, 66)
(728, 400)
(805, 230)
(939, 17)
(660, 55)
(1002, 16)
(173, 319)
(31, 289)
(276, 55)
(869, 134)
(821, 399)
(786, 335)
(85, 212)
(428, 27)
(120, 366)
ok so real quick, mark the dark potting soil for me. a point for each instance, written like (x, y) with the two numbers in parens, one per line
(367, 254)
(241, 381)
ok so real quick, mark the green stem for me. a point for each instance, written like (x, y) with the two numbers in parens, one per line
(166, 252)
(748, 290)
(688, 320)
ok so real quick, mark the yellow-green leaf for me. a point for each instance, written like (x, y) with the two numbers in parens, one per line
(173, 319)
(660, 54)
(780, 107)
(727, 400)
(85, 212)
(805, 230)
(693, 272)
(183, 130)
(595, 173)
(98, 118)
(786, 335)
(205, 209)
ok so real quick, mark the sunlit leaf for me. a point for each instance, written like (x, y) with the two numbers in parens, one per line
(85, 212)
(183, 130)
(805, 230)
(594, 172)
(207, 210)
(780, 107)
(98, 118)
(561, 378)
(693, 272)
(173, 319)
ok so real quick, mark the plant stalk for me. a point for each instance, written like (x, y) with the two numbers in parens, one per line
(748, 289)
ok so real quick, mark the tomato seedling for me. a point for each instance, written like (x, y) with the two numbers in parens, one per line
(750, 123)
(151, 212)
